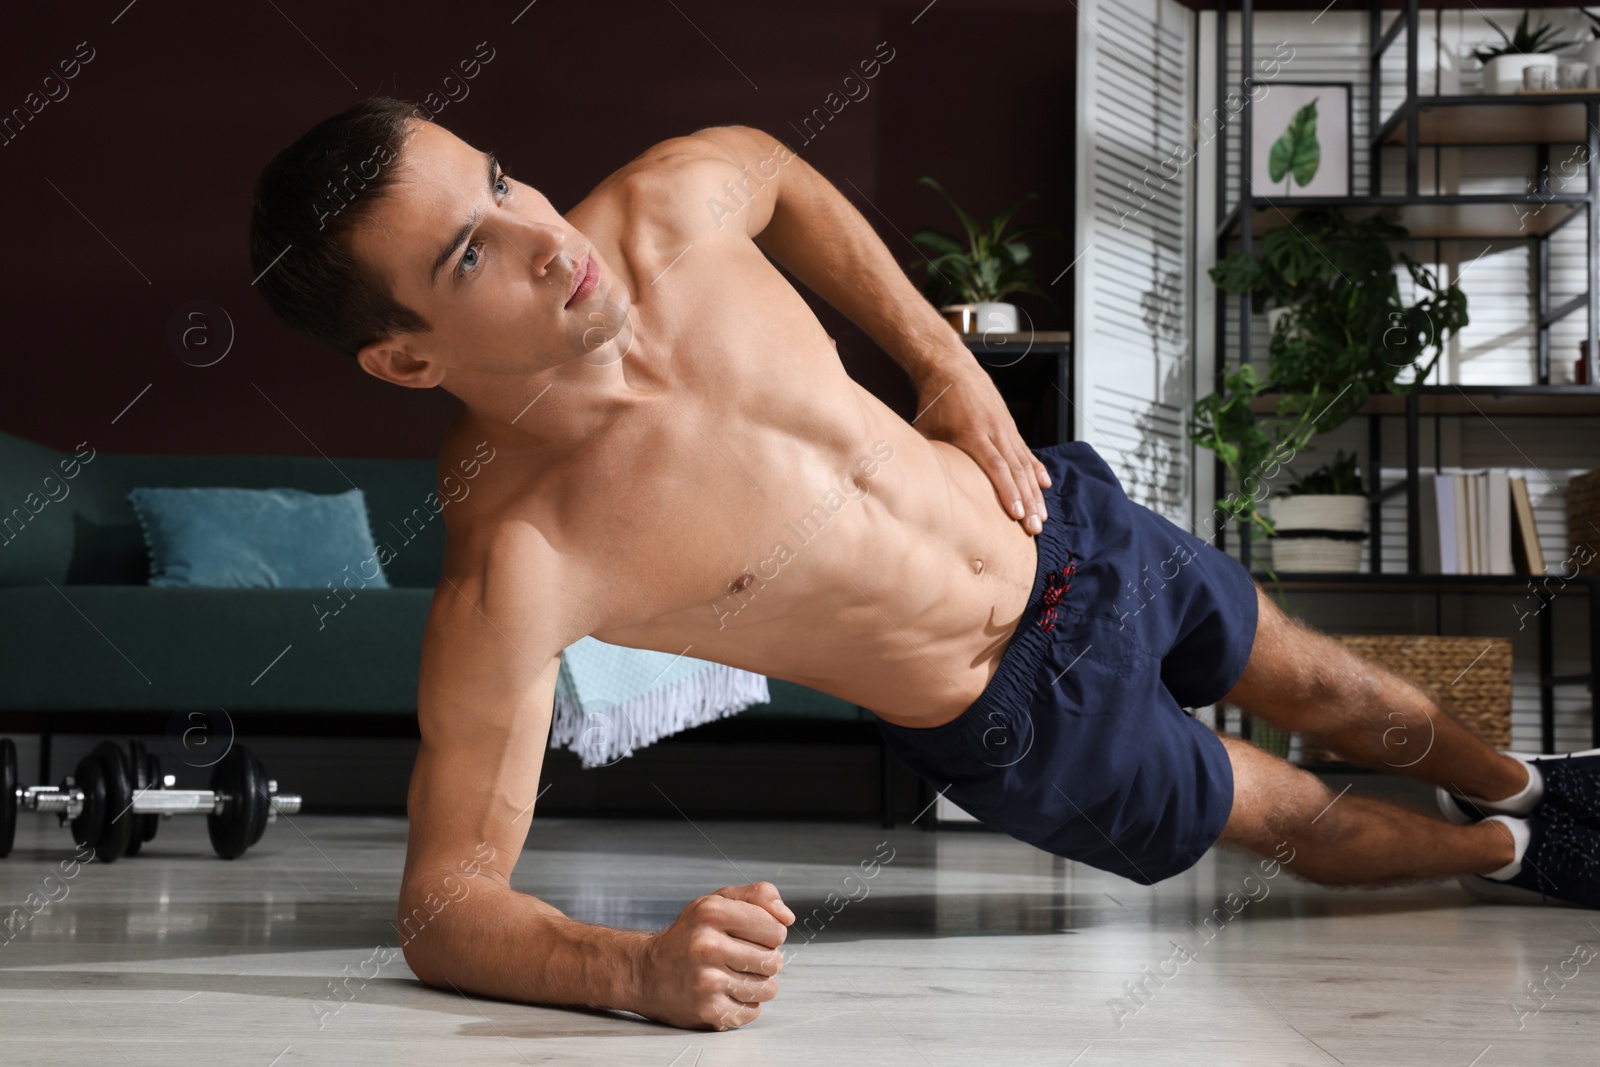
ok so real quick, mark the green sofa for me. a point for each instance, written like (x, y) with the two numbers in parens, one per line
(86, 645)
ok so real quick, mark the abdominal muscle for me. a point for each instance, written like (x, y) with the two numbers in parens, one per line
(901, 600)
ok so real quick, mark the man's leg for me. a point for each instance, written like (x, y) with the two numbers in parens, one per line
(1347, 840)
(1299, 679)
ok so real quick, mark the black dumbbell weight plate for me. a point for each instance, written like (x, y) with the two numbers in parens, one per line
(240, 783)
(266, 802)
(118, 818)
(140, 768)
(8, 795)
(89, 779)
(149, 824)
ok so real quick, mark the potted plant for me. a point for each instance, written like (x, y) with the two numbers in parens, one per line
(1319, 519)
(981, 273)
(1348, 335)
(1504, 63)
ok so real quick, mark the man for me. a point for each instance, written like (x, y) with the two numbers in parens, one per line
(666, 415)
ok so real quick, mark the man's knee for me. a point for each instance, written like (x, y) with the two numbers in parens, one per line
(1331, 823)
(1273, 800)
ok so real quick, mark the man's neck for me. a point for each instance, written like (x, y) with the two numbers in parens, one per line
(552, 411)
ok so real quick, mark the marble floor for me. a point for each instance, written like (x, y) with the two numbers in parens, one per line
(965, 948)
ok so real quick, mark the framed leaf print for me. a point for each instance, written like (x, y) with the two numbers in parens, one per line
(1300, 140)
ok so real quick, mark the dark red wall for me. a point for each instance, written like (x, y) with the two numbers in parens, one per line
(127, 198)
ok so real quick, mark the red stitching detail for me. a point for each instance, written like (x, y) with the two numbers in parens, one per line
(1056, 587)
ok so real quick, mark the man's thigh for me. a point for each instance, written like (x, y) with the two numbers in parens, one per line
(1301, 679)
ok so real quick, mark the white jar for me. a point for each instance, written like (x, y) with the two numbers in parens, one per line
(997, 318)
(1502, 75)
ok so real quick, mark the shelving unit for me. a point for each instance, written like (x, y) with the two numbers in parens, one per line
(1537, 120)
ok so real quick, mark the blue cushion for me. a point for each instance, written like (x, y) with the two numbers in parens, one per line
(272, 538)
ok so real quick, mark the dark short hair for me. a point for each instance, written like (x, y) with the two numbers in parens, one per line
(308, 201)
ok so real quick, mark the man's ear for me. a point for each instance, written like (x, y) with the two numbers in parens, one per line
(393, 360)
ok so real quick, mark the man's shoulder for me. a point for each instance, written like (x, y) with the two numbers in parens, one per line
(509, 564)
(677, 177)
(659, 176)
(500, 516)
(731, 145)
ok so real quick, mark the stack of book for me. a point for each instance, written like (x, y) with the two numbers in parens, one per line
(1478, 522)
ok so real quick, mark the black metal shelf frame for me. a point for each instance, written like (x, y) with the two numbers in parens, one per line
(1240, 219)
(1409, 112)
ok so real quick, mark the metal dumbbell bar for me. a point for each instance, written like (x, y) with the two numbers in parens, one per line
(115, 800)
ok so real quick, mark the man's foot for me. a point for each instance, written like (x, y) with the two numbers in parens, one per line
(1571, 781)
(1557, 862)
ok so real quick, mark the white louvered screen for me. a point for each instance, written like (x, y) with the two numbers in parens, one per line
(1133, 275)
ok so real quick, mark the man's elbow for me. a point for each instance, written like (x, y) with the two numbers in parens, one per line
(424, 928)
(424, 964)
(415, 944)
(733, 132)
(755, 151)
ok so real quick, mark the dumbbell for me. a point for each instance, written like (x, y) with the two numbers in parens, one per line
(115, 800)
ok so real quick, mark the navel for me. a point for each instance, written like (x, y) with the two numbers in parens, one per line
(741, 583)
(977, 566)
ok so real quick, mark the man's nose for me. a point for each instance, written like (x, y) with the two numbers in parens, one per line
(549, 251)
(541, 244)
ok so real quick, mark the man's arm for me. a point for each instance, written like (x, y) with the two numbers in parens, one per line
(798, 218)
(484, 705)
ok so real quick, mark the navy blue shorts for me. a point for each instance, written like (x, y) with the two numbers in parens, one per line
(1080, 744)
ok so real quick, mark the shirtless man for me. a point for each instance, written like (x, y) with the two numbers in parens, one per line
(664, 409)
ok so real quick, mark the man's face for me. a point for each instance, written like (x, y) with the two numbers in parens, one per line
(508, 286)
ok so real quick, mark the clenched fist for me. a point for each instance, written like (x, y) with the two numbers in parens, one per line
(718, 963)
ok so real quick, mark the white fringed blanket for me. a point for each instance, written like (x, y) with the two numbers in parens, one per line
(611, 700)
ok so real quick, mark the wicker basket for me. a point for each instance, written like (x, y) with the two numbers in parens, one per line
(1470, 677)
(1583, 520)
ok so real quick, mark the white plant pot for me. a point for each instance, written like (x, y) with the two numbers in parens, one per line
(997, 318)
(1347, 512)
(1503, 74)
(1316, 555)
(1310, 511)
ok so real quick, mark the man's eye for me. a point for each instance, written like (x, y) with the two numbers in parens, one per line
(472, 258)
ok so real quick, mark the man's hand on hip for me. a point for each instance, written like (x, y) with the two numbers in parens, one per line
(964, 408)
(718, 963)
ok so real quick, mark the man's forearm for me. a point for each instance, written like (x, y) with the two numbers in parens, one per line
(826, 243)
(478, 935)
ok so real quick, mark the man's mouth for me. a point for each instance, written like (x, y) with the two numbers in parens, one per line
(584, 280)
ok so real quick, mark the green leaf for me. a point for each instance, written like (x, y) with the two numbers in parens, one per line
(1523, 41)
(938, 242)
(1019, 252)
(1340, 477)
(1297, 151)
(1035, 231)
(997, 225)
(968, 223)
(990, 265)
